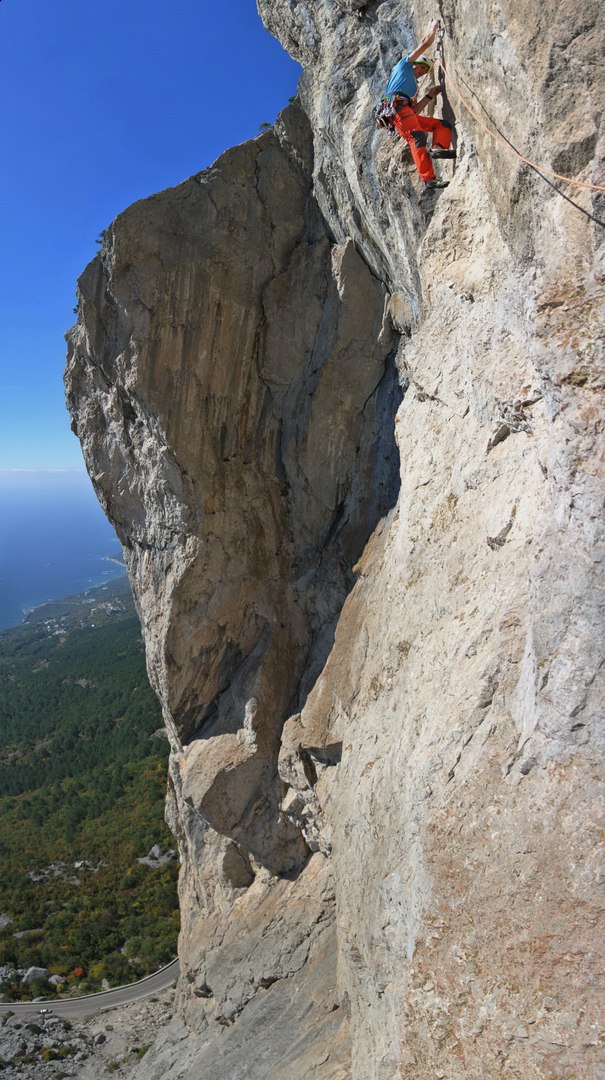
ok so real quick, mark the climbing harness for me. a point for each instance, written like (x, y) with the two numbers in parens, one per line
(387, 108)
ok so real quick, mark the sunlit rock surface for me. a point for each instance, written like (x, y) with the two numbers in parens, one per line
(351, 439)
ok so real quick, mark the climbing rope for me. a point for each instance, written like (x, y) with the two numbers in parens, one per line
(508, 146)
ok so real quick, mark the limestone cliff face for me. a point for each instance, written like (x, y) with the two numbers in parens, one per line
(351, 441)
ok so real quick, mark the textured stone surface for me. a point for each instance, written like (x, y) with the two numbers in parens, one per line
(235, 402)
(384, 690)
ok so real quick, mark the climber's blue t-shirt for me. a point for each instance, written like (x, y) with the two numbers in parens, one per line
(402, 79)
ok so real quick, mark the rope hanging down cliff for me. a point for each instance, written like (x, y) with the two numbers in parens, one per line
(507, 145)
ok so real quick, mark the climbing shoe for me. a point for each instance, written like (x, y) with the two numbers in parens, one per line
(432, 185)
(438, 153)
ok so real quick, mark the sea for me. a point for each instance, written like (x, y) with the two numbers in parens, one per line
(55, 541)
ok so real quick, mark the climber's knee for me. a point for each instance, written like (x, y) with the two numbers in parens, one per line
(420, 138)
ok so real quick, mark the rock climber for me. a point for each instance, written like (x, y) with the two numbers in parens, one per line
(400, 110)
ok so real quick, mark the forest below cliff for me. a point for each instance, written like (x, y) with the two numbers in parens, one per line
(82, 787)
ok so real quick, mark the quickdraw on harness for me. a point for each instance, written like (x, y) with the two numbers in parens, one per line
(386, 110)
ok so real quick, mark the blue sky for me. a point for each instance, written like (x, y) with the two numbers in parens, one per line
(102, 104)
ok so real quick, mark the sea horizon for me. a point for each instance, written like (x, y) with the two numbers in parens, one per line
(55, 540)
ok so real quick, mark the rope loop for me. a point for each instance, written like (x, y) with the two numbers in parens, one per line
(508, 146)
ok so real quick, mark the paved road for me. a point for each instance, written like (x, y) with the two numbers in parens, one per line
(107, 999)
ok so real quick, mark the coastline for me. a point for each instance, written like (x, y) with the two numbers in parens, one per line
(72, 597)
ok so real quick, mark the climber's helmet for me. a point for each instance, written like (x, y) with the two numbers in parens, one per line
(422, 65)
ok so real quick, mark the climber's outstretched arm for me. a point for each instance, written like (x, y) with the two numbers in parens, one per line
(431, 94)
(426, 42)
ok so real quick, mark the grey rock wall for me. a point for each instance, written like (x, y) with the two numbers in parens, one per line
(375, 622)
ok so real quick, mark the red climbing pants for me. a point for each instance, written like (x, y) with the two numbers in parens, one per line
(414, 129)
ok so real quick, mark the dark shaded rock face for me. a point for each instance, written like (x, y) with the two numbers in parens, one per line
(374, 621)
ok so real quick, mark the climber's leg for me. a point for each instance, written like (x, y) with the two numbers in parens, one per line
(442, 132)
(417, 141)
(412, 128)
